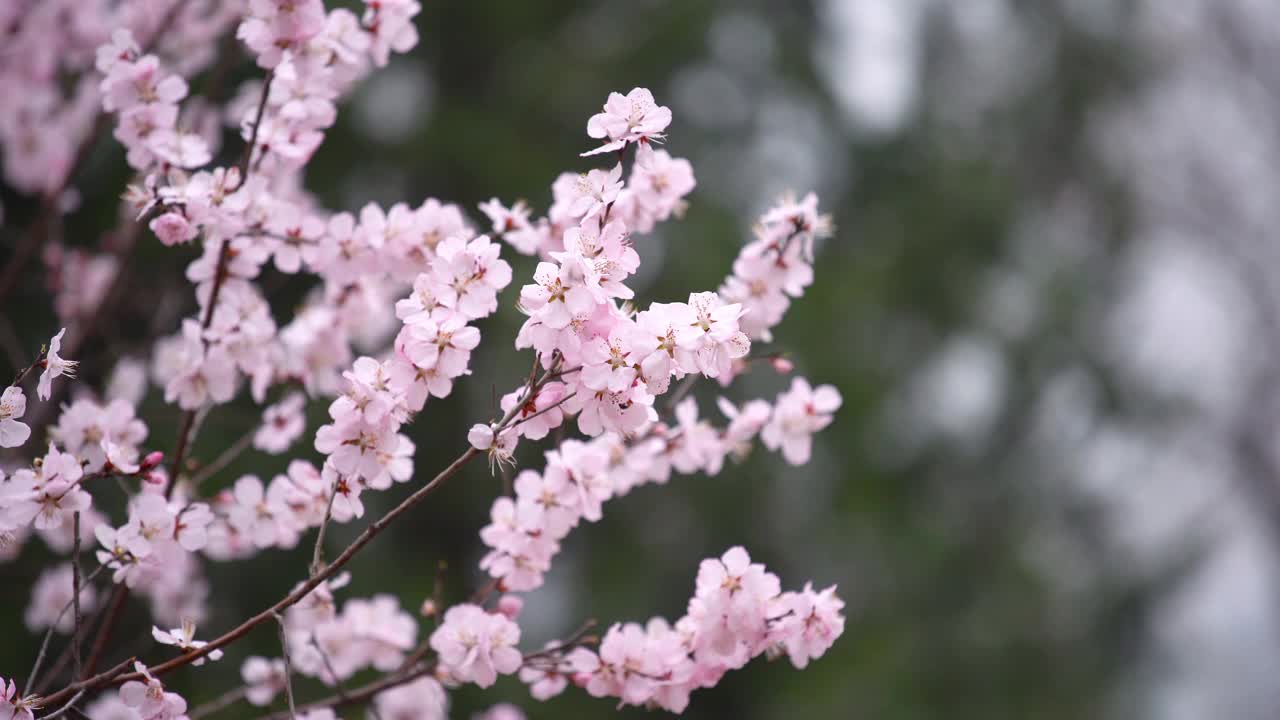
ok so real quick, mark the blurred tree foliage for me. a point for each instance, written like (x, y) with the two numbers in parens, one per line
(978, 580)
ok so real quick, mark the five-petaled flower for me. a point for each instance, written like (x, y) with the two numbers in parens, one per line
(54, 366)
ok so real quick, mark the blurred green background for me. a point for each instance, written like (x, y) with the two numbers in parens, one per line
(1050, 492)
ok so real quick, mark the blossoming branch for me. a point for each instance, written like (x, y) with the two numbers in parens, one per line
(405, 285)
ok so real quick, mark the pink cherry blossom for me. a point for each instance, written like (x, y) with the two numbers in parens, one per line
(54, 366)
(149, 698)
(799, 413)
(15, 706)
(13, 404)
(422, 699)
(183, 638)
(539, 413)
(501, 711)
(476, 646)
(282, 424)
(544, 683)
(810, 624)
(499, 445)
(258, 514)
(51, 593)
(173, 229)
(263, 679)
(595, 191)
(633, 117)
(274, 26)
(707, 335)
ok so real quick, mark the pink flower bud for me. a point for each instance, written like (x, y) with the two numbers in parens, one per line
(781, 365)
(428, 608)
(152, 459)
(510, 605)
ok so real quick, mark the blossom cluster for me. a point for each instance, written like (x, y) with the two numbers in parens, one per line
(45, 122)
(525, 532)
(654, 191)
(737, 613)
(333, 646)
(600, 358)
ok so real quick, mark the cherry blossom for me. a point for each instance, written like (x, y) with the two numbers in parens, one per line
(275, 26)
(184, 639)
(633, 117)
(48, 495)
(499, 445)
(14, 705)
(51, 593)
(798, 414)
(257, 512)
(707, 334)
(54, 366)
(149, 699)
(263, 679)
(501, 711)
(810, 623)
(539, 412)
(544, 683)
(392, 27)
(282, 424)
(173, 229)
(13, 404)
(87, 428)
(476, 646)
(422, 699)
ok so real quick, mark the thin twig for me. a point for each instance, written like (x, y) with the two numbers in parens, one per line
(546, 409)
(578, 637)
(118, 598)
(360, 694)
(226, 700)
(247, 156)
(24, 372)
(482, 594)
(48, 635)
(685, 386)
(288, 668)
(75, 699)
(189, 417)
(227, 457)
(317, 555)
(75, 592)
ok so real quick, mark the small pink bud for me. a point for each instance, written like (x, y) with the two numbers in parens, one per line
(154, 478)
(510, 605)
(428, 608)
(582, 679)
(152, 459)
(781, 365)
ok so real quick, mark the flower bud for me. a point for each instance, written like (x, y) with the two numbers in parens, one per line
(152, 459)
(510, 605)
(781, 365)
